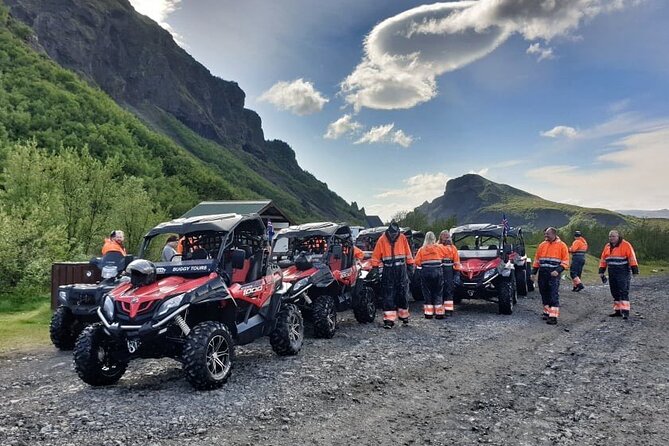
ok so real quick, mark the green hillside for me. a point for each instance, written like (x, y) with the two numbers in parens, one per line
(75, 165)
(474, 199)
(138, 64)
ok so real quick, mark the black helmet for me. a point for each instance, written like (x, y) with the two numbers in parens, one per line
(393, 231)
(577, 234)
(142, 272)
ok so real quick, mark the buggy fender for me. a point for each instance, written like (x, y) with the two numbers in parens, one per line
(213, 291)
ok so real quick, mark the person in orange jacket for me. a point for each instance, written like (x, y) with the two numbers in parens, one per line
(551, 260)
(428, 260)
(392, 251)
(114, 243)
(619, 257)
(578, 249)
(450, 270)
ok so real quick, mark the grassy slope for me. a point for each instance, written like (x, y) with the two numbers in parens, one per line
(25, 328)
(41, 100)
(530, 205)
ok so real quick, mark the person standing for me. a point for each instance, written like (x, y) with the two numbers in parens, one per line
(114, 243)
(551, 260)
(428, 260)
(450, 265)
(619, 257)
(392, 251)
(578, 249)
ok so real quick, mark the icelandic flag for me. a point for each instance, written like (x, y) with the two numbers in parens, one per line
(505, 225)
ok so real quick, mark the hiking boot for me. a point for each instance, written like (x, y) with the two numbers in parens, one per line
(574, 289)
(544, 316)
(439, 316)
(405, 321)
(552, 321)
(579, 287)
(626, 315)
(427, 316)
(388, 324)
(616, 313)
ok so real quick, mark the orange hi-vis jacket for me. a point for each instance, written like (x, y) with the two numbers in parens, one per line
(387, 254)
(451, 256)
(112, 246)
(358, 253)
(621, 256)
(551, 255)
(579, 247)
(430, 256)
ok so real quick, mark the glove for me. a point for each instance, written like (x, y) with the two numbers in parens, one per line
(457, 280)
(603, 277)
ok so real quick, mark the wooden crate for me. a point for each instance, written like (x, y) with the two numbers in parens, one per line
(65, 273)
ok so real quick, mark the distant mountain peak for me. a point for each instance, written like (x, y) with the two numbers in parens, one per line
(472, 198)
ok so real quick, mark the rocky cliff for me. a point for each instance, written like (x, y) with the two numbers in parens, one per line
(137, 63)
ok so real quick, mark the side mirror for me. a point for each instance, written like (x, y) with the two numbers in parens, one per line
(337, 251)
(237, 260)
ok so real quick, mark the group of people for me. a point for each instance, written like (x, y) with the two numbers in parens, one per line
(439, 263)
(552, 258)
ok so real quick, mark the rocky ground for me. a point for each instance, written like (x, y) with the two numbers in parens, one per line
(476, 378)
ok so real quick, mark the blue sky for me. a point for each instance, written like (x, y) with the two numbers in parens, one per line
(565, 99)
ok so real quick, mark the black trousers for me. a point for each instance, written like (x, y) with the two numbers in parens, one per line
(577, 264)
(431, 284)
(394, 283)
(549, 287)
(449, 286)
(619, 282)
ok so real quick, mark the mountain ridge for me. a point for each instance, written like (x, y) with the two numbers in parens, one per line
(138, 64)
(472, 198)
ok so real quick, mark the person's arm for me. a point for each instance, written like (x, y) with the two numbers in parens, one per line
(535, 263)
(377, 254)
(419, 257)
(456, 258)
(602, 261)
(564, 258)
(631, 257)
(409, 255)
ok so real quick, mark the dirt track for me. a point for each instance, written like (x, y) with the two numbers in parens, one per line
(477, 378)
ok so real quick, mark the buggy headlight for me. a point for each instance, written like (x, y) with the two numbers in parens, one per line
(62, 295)
(108, 308)
(170, 304)
(488, 274)
(300, 284)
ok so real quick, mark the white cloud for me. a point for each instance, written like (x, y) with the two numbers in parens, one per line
(560, 131)
(385, 134)
(620, 124)
(541, 51)
(404, 54)
(633, 175)
(412, 193)
(342, 127)
(299, 97)
(158, 10)
(482, 172)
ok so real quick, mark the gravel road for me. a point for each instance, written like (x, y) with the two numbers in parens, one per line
(477, 378)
